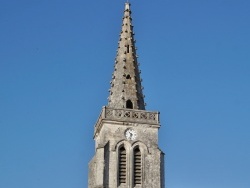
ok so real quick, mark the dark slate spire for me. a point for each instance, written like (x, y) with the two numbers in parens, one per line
(126, 89)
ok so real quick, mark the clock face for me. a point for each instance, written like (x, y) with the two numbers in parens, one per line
(130, 134)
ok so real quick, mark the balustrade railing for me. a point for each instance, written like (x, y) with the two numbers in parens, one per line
(131, 115)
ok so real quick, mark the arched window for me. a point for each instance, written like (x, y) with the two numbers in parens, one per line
(129, 104)
(137, 167)
(122, 165)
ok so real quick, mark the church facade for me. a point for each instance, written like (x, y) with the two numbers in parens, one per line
(126, 135)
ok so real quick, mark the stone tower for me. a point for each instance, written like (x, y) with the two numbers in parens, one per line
(126, 135)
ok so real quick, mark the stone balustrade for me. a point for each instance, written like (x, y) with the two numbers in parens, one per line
(129, 115)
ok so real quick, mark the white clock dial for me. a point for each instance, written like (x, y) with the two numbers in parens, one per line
(130, 134)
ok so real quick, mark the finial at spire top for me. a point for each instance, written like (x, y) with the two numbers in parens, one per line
(127, 6)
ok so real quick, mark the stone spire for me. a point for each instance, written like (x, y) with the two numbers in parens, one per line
(126, 89)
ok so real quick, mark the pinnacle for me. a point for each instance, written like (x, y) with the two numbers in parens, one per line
(126, 89)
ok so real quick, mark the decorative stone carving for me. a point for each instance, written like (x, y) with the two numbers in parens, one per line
(140, 116)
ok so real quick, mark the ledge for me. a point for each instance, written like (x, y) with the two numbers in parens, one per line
(127, 115)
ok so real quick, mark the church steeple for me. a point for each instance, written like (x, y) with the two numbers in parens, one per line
(126, 88)
(127, 154)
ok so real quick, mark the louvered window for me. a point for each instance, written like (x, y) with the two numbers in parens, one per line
(122, 165)
(137, 167)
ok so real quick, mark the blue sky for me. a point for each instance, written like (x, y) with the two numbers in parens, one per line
(56, 61)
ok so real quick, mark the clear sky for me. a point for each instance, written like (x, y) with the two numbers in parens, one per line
(56, 61)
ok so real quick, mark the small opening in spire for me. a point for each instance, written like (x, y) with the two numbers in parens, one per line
(128, 77)
(129, 104)
(127, 48)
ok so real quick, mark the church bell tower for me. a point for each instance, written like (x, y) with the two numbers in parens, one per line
(126, 135)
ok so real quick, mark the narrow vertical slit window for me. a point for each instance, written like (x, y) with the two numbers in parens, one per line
(127, 48)
(137, 167)
(122, 165)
